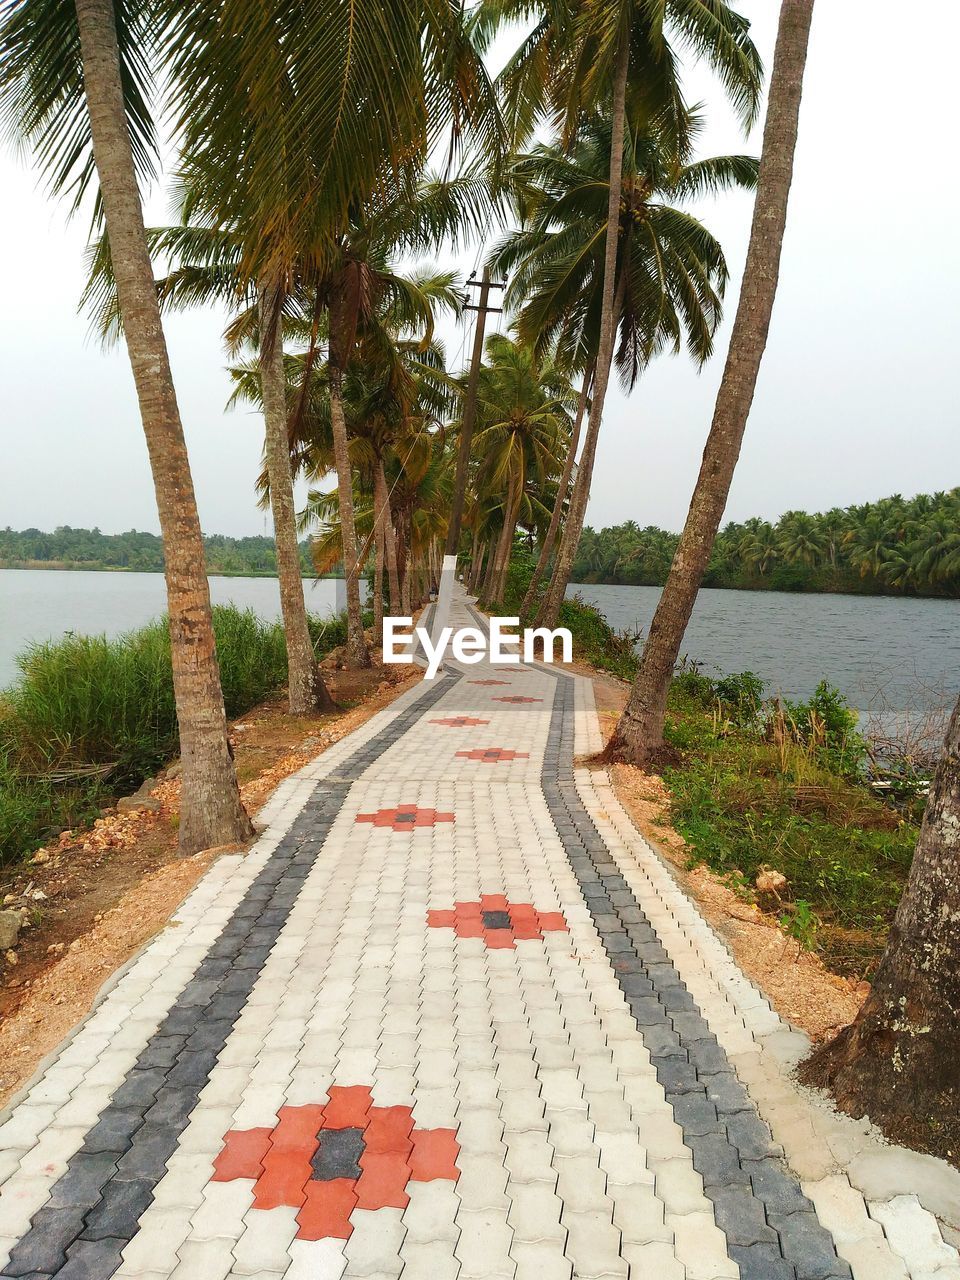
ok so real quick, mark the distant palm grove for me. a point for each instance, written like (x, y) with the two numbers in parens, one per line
(896, 546)
(68, 548)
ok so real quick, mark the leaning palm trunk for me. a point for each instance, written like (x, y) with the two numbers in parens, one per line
(306, 692)
(357, 653)
(550, 608)
(557, 513)
(897, 1062)
(639, 734)
(210, 809)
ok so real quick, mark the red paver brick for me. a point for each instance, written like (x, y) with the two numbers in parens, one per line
(242, 1154)
(382, 1181)
(434, 1155)
(326, 1210)
(348, 1107)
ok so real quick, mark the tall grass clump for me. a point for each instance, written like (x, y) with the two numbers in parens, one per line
(91, 717)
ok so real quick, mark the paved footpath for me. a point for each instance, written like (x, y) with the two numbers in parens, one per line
(450, 1017)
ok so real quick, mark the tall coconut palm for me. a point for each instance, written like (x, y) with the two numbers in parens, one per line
(203, 264)
(639, 733)
(84, 108)
(669, 274)
(578, 60)
(523, 430)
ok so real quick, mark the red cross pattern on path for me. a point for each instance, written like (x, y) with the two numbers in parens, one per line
(326, 1160)
(517, 697)
(498, 922)
(406, 817)
(492, 755)
(459, 722)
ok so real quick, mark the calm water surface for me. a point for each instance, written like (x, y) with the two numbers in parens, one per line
(42, 604)
(901, 653)
(885, 654)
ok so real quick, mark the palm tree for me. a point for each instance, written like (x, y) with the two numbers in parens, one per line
(70, 94)
(800, 539)
(204, 266)
(669, 275)
(639, 733)
(523, 425)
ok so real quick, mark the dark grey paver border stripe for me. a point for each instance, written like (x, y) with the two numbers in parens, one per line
(94, 1209)
(772, 1229)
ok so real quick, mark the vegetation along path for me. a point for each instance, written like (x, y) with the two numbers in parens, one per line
(450, 1016)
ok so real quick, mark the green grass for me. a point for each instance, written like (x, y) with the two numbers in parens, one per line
(89, 700)
(594, 640)
(764, 785)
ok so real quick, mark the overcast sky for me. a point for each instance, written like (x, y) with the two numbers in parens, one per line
(858, 392)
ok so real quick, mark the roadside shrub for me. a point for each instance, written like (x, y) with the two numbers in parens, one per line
(87, 700)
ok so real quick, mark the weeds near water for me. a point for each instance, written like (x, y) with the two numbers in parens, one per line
(782, 785)
(91, 717)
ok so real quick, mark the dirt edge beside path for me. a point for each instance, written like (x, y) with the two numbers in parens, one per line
(797, 983)
(100, 895)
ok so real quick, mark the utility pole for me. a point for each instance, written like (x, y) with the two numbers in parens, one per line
(469, 416)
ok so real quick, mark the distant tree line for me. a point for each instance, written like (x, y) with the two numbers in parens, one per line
(896, 546)
(70, 548)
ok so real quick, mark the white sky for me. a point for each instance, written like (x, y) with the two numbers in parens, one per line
(858, 391)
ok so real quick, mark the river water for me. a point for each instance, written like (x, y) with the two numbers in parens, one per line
(885, 654)
(42, 604)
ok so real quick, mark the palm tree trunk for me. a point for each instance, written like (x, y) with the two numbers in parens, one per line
(477, 576)
(550, 608)
(489, 576)
(378, 586)
(306, 692)
(357, 653)
(381, 498)
(210, 809)
(639, 734)
(501, 558)
(557, 513)
(897, 1062)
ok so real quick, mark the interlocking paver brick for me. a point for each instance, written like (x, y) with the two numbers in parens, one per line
(449, 1017)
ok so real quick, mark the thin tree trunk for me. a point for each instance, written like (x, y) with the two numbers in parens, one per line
(501, 558)
(358, 654)
(639, 734)
(550, 608)
(477, 576)
(378, 586)
(210, 809)
(489, 575)
(306, 693)
(381, 497)
(556, 515)
(897, 1062)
